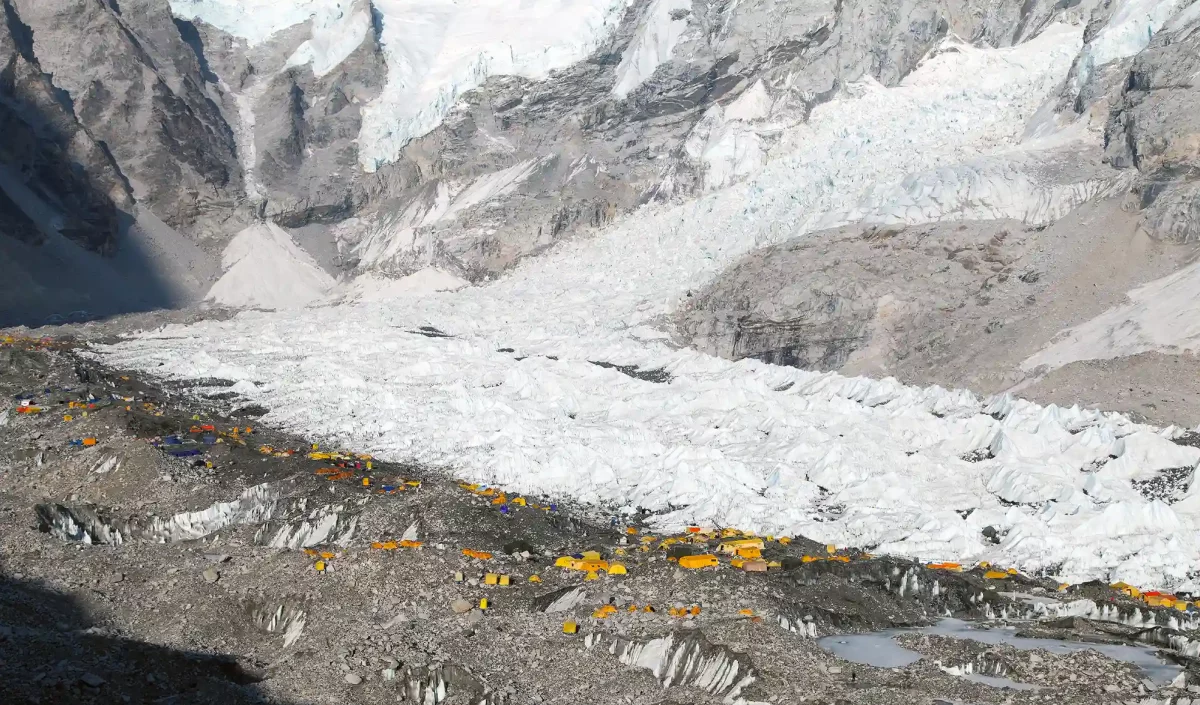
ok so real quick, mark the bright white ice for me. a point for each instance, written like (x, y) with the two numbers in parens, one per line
(850, 461)
(436, 50)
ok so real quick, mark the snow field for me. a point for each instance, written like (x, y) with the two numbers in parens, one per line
(849, 461)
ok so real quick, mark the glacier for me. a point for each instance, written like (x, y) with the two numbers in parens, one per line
(435, 50)
(910, 471)
(653, 44)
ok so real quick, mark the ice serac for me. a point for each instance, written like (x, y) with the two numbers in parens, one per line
(436, 51)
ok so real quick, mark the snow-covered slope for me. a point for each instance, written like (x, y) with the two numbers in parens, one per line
(1163, 315)
(845, 460)
(264, 268)
(436, 50)
(660, 31)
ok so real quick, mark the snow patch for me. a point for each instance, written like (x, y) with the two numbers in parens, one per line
(264, 268)
(1163, 316)
(753, 104)
(652, 46)
(371, 287)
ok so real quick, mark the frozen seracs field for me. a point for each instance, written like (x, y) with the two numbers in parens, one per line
(850, 461)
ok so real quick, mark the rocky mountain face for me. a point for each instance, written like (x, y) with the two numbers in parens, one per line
(1011, 271)
(209, 131)
(194, 122)
(1153, 128)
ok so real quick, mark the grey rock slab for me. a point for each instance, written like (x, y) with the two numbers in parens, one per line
(91, 680)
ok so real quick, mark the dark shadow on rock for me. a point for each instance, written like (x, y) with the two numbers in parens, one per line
(70, 249)
(54, 651)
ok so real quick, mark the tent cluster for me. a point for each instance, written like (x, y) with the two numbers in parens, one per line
(1154, 598)
(393, 545)
(989, 572)
(75, 404)
(29, 343)
(590, 563)
(323, 556)
(502, 501)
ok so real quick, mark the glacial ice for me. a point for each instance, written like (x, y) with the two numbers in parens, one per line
(847, 461)
(1128, 31)
(661, 29)
(435, 50)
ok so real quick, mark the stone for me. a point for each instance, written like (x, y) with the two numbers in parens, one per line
(211, 575)
(91, 680)
(461, 606)
(353, 678)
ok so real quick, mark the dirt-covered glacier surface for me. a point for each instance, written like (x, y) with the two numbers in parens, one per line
(157, 548)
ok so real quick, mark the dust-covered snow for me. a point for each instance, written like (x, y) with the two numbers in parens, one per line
(372, 287)
(264, 268)
(505, 391)
(1162, 315)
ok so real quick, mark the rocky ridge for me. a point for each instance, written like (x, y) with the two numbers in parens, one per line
(207, 132)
